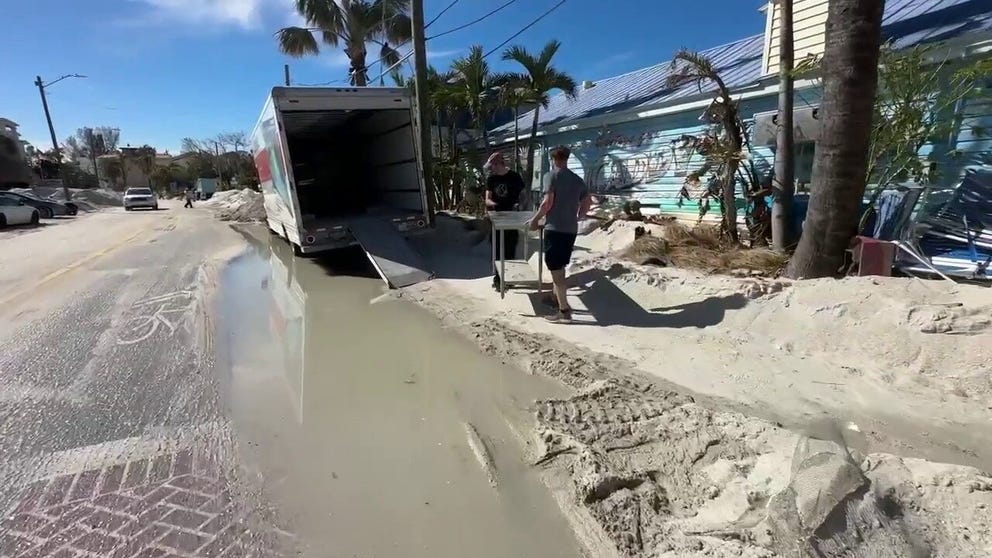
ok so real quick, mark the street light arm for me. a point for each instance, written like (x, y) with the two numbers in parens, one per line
(62, 78)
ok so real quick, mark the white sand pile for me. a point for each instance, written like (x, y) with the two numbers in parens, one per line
(99, 197)
(884, 365)
(243, 206)
(644, 471)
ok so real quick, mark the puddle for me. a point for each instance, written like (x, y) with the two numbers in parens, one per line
(377, 432)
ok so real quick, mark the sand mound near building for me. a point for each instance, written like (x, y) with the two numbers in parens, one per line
(243, 206)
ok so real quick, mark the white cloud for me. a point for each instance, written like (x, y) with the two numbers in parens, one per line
(246, 14)
(334, 57)
(442, 54)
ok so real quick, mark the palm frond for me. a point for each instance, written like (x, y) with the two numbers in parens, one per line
(690, 67)
(548, 52)
(325, 14)
(562, 81)
(389, 56)
(331, 37)
(398, 28)
(540, 76)
(519, 54)
(297, 42)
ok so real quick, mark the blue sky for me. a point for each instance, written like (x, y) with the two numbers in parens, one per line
(161, 70)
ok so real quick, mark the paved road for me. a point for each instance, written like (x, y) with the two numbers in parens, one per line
(112, 437)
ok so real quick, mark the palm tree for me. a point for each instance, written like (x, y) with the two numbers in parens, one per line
(478, 87)
(353, 23)
(850, 84)
(514, 95)
(450, 102)
(536, 83)
(144, 156)
(693, 68)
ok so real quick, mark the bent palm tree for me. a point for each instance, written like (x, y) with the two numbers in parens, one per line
(536, 83)
(693, 68)
(353, 24)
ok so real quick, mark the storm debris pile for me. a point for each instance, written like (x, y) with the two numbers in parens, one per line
(673, 244)
(243, 206)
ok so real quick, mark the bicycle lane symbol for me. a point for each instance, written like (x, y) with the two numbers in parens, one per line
(163, 311)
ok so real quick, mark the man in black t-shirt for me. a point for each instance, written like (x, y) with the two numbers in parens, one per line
(503, 190)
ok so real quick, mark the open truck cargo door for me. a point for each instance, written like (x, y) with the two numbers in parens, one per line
(393, 258)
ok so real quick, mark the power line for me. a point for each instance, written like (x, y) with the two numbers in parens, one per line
(526, 27)
(398, 62)
(471, 23)
(438, 16)
(501, 45)
(441, 34)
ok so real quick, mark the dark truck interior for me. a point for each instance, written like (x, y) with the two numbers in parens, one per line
(353, 162)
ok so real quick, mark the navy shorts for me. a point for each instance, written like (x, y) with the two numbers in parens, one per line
(558, 249)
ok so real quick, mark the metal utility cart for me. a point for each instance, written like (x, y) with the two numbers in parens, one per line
(516, 271)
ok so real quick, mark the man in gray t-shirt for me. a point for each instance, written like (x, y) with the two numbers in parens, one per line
(566, 200)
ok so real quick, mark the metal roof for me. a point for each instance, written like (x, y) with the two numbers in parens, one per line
(905, 22)
(739, 64)
(912, 22)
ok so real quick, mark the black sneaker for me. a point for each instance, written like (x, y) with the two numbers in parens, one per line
(560, 317)
(496, 283)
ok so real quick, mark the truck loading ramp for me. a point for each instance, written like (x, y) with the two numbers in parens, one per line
(393, 258)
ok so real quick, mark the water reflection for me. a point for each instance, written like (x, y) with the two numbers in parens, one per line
(355, 415)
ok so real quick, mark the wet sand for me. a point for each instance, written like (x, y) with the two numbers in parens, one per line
(374, 431)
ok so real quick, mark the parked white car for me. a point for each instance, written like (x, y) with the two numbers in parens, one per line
(140, 197)
(14, 211)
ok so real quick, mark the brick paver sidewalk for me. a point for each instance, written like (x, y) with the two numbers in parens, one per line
(176, 504)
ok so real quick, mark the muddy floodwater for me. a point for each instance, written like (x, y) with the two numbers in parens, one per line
(376, 432)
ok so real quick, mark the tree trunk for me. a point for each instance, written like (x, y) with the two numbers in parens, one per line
(850, 83)
(729, 201)
(531, 141)
(361, 78)
(783, 188)
(516, 138)
(96, 170)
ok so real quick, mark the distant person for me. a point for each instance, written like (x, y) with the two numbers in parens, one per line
(190, 194)
(566, 200)
(503, 190)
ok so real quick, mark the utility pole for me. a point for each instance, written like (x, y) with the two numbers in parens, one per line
(423, 103)
(784, 185)
(51, 130)
(285, 70)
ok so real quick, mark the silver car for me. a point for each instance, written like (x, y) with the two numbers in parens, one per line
(140, 197)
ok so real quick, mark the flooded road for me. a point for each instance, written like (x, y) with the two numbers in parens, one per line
(374, 431)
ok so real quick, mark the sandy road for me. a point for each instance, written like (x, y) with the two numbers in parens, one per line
(34, 261)
(143, 413)
(113, 440)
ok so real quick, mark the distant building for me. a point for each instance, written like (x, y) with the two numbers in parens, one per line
(133, 175)
(14, 168)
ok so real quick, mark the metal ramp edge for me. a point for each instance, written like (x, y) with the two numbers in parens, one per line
(393, 258)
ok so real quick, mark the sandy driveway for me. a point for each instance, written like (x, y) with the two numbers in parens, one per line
(694, 393)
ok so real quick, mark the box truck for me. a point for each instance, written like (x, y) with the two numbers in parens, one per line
(342, 166)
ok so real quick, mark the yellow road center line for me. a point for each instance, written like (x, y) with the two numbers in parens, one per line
(69, 268)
